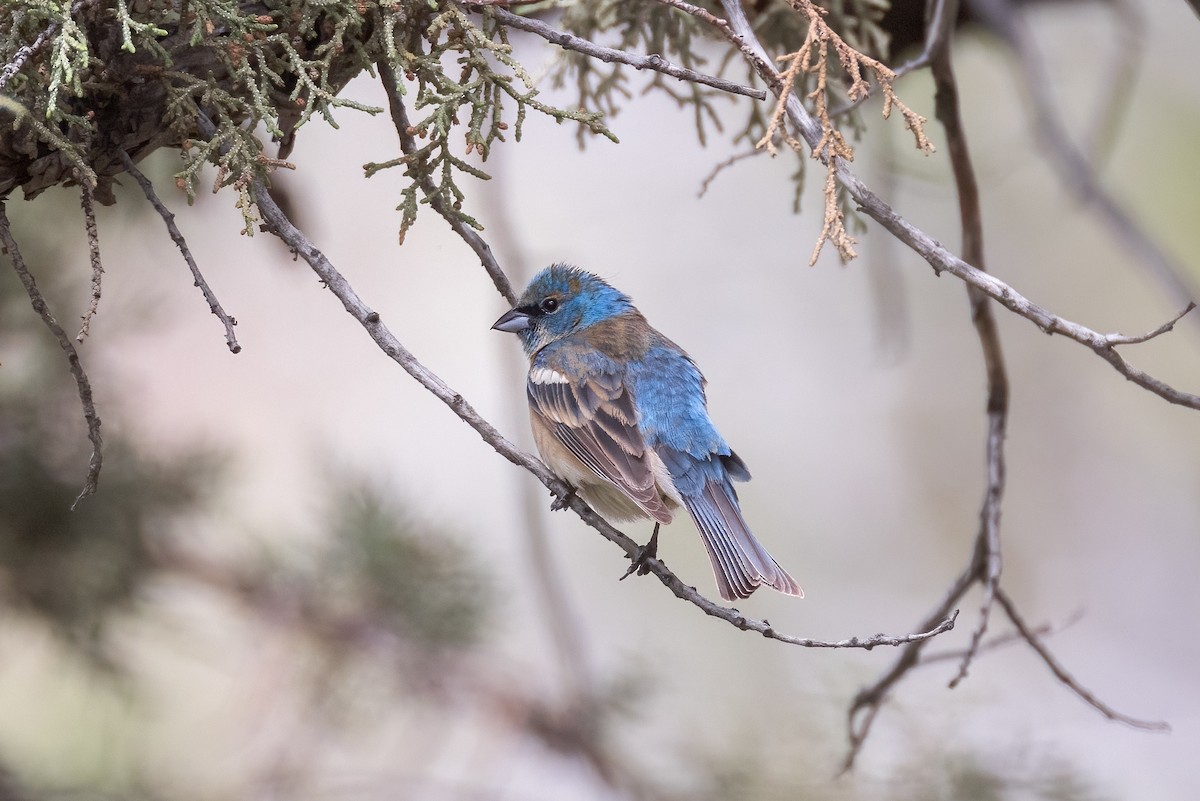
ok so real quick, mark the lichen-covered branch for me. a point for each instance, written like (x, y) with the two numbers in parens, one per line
(116, 77)
(93, 236)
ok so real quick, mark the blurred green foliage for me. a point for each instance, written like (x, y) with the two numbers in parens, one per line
(73, 569)
(76, 569)
(788, 769)
(378, 563)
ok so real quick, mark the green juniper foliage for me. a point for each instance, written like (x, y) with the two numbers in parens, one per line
(136, 75)
(85, 79)
(382, 564)
(475, 94)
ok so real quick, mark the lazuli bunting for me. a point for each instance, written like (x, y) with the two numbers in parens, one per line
(618, 412)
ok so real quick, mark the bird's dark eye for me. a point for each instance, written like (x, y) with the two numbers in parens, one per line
(549, 305)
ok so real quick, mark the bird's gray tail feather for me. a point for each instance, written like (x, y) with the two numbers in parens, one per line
(740, 562)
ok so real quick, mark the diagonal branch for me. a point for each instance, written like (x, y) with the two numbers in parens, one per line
(577, 673)
(82, 383)
(738, 30)
(1035, 642)
(654, 61)
(279, 224)
(177, 236)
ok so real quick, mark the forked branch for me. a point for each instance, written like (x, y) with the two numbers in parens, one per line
(1034, 639)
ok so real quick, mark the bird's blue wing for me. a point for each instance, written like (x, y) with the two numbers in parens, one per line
(581, 397)
(675, 423)
(671, 404)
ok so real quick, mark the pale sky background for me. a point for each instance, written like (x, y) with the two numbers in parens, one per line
(867, 458)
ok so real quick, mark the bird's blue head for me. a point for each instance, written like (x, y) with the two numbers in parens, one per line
(560, 301)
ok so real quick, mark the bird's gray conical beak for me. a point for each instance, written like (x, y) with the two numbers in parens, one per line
(512, 321)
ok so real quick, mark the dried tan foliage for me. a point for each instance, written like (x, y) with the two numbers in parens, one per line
(813, 59)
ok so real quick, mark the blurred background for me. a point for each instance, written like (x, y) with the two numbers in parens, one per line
(303, 577)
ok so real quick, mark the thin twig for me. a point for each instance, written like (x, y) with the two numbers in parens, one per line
(1035, 642)
(995, 643)
(941, 17)
(93, 235)
(757, 58)
(696, 11)
(739, 32)
(177, 236)
(1074, 170)
(989, 514)
(608, 55)
(1003, 640)
(408, 146)
(724, 165)
(279, 224)
(1169, 325)
(82, 383)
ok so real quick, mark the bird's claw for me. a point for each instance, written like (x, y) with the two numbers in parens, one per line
(648, 551)
(561, 502)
